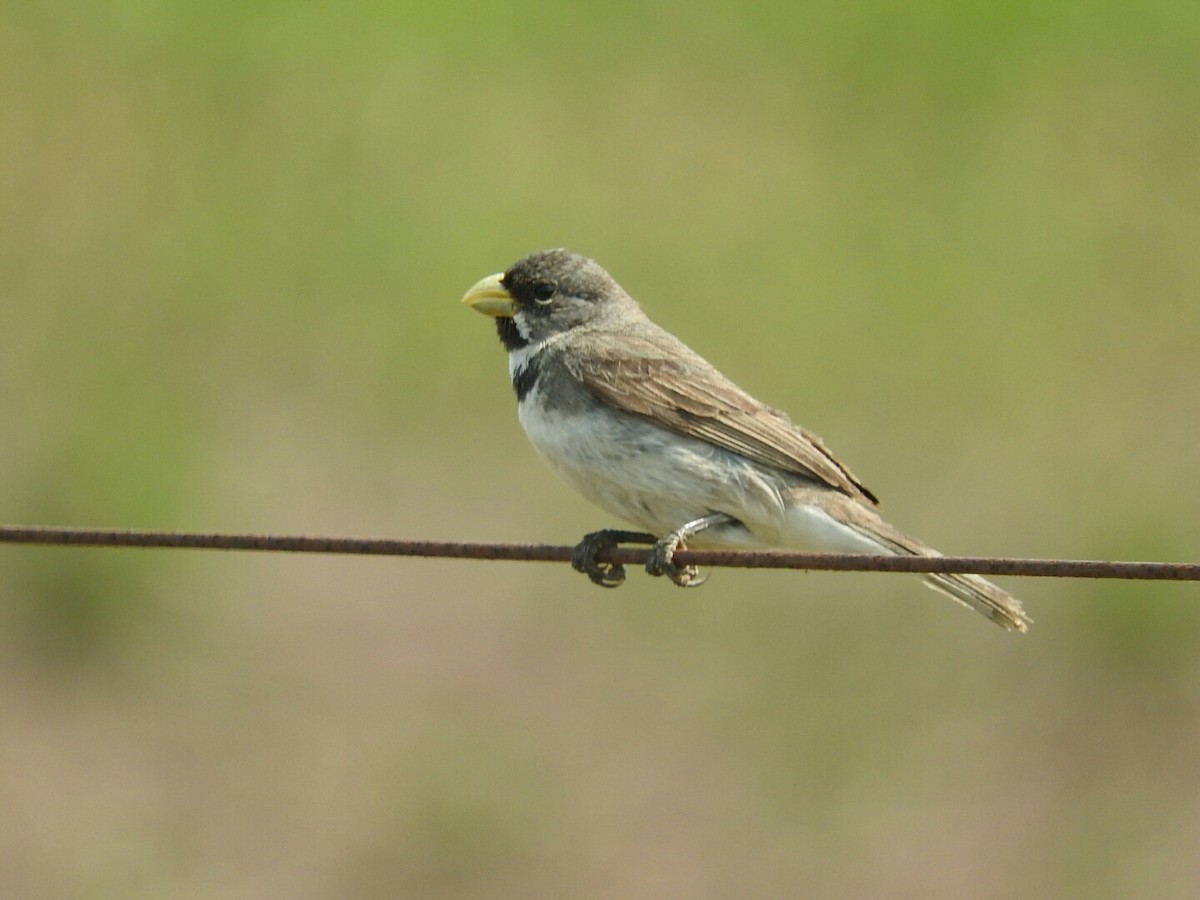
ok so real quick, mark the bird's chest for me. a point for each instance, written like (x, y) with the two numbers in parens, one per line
(564, 421)
(582, 439)
(614, 459)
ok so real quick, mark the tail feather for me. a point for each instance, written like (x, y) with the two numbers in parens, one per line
(970, 590)
(981, 595)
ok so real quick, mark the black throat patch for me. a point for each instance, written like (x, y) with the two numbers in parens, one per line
(510, 335)
(525, 378)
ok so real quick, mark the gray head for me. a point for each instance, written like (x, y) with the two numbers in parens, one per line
(548, 293)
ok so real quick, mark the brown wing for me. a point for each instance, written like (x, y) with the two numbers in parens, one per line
(657, 376)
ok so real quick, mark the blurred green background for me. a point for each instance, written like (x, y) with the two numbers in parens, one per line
(959, 240)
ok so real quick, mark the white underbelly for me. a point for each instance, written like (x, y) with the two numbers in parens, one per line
(654, 479)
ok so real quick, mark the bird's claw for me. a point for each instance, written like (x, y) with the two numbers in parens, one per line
(662, 562)
(611, 575)
(583, 557)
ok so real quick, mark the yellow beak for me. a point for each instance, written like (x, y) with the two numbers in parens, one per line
(491, 298)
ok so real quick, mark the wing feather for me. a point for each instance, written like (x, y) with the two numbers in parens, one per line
(657, 376)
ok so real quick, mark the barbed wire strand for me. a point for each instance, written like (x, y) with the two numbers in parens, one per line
(840, 562)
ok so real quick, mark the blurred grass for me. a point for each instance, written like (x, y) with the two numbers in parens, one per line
(956, 239)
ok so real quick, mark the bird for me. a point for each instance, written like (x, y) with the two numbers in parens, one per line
(649, 431)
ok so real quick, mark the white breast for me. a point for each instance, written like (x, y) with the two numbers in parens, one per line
(642, 473)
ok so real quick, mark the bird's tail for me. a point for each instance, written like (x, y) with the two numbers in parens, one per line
(981, 595)
(971, 590)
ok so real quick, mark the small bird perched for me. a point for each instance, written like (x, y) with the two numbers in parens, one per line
(649, 431)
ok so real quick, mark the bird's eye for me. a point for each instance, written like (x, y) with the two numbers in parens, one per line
(543, 291)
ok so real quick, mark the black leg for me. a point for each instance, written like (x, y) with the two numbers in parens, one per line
(661, 560)
(583, 557)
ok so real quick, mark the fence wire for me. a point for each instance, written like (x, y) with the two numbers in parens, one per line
(834, 562)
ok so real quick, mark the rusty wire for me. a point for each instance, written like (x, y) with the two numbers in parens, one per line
(842, 562)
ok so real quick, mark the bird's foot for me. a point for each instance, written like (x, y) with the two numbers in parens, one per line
(662, 562)
(610, 575)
